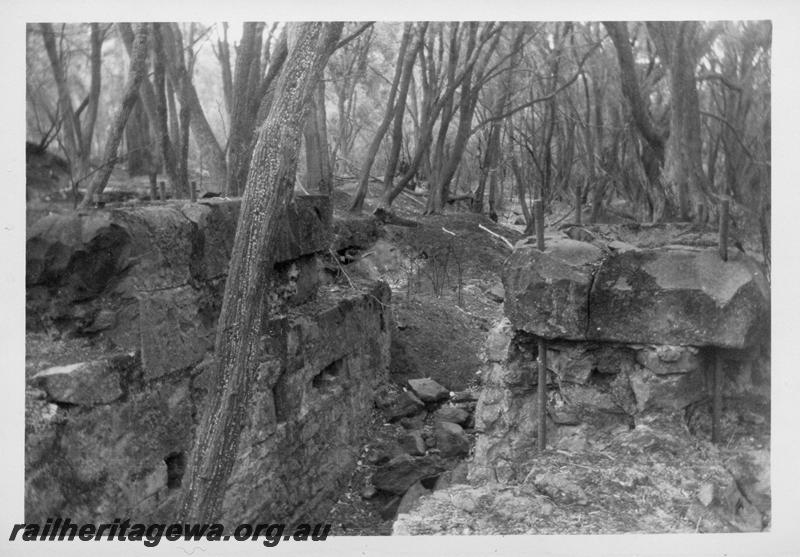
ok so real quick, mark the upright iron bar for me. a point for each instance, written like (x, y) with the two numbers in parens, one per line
(716, 410)
(724, 212)
(541, 407)
(153, 188)
(538, 213)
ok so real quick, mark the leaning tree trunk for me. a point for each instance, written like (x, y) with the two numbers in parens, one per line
(135, 76)
(319, 173)
(363, 181)
(138, 158)
(236, 348)
(400, 108)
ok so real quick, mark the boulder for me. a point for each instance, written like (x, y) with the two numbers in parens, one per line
(414, 422)
(405, 404)
(412, 497)
(679, 296)
(451, 440)
(81, 252)
(665, 360)
(666, 392)
(452, 414)
(412, 443)
(547, 292)
(464, 396)
(86, 383)
(403, 471)
(428, 390)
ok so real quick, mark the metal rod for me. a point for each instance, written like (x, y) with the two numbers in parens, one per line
(541, 407)
(724, 211)
(153, 188)
(716, 410)
(193, 191)
(162, 186)
(538, 210)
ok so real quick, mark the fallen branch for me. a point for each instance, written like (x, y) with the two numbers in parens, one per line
(449, 232)
(412, 198)
(498, 236)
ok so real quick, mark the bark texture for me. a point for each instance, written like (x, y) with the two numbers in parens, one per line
(131, 94)
(236, 347)
(377, 139)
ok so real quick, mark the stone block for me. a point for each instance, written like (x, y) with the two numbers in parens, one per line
(679, 297)
(171, 335)
(86, 383)
(547, 293)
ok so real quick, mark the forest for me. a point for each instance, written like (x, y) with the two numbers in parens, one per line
(407, 166)
(661, 120)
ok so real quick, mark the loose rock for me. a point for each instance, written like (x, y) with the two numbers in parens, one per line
(405, 404)
(451, 439)
(452, 414)
(428, 390)
(403, 471)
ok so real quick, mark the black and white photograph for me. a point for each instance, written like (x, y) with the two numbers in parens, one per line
(389, 281)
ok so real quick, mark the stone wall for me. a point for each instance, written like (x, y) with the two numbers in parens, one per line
(632, 337)
(109, 436)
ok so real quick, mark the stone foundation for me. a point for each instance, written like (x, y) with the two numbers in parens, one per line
(110, 436)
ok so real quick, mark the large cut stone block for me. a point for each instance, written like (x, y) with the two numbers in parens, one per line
(547, 293)
(679, 296)
(172, 337)
(307, 229)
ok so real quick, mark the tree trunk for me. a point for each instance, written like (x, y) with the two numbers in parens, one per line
(432, 109)
(212, 154)
(363, 182)
(684, 177)
(139, 159)
(90, 117)
(319, 173)
(467, 103)
(242, 124)
(489, 164)
(239, 328)
(652, 154)
(147, 101)
(223, 54)
(71, 135)
(400, 108)
(135, 76)
(160, 123)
